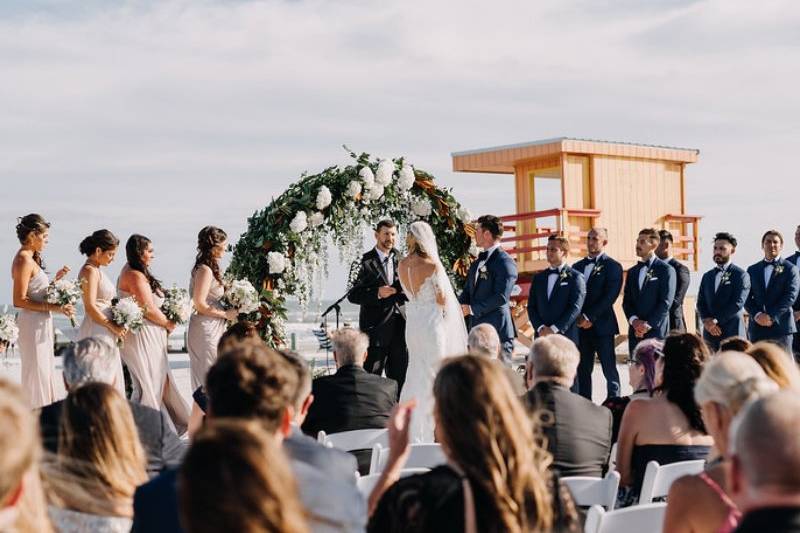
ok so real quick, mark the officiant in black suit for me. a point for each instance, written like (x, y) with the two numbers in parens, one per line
(377, 290)
(682, 279)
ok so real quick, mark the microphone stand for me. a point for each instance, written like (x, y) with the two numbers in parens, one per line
(335, 307)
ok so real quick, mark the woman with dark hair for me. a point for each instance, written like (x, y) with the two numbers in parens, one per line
(100, 248)
(669, 427)
(145, 350)
(497, 477)
(641, 376)
(208, 322)
(35, 321)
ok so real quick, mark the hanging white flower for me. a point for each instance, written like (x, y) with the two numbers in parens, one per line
(463, 214)
(299, 222)
(324, 198)
(473, 249)
(375, 192)
(406, 178)
(353, 189)
(385, 171)
(421, 207)
(367, 177)
(276, 262)
(316, 219)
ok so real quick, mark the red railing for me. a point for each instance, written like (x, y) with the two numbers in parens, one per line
(685, 232)
(531, 230)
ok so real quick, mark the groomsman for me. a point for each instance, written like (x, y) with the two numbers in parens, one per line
(682, 279)
(775, 284)
(649, 291)
(723, 293)
(795, 260)
(557, 294)
(597, 323)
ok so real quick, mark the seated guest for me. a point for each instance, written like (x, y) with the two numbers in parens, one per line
(496, 478)
(22, 507)
(578, 432)
(765, 464)
(735, 344)
(642, 377)
(300, 446)
(701, 503)
(484, 340)
(99, 464)
(667, 428)
(777, 366)
(235, 478)
(352, 398)
(93, 360)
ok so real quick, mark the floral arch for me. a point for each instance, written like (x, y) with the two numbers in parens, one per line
(285, 248)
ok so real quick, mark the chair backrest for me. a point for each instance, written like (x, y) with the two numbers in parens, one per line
(359, 439)
(421, 456)
(587, 491)
(367, 483)
(637, 519)
(658, 479)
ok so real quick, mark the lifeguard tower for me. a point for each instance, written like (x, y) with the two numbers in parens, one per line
(566, 185)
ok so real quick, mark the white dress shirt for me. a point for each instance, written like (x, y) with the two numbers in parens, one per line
(768, 272)
(589, 268)
(388, 266)
(489, 253)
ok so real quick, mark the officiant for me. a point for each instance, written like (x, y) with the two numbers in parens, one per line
(378, 292)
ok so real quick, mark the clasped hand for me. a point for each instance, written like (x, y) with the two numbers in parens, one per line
(386, 291)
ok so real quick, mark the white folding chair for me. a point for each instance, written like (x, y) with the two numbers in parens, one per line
(658, 479)
(637, 519)
(587, 491)
(421, 456)
(367, 483)
(359, 439)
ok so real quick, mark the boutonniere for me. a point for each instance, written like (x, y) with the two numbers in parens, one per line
(483, 273)
(726, 276)
(648, 275)
(564, 274)
(597, 269)
(778, 269)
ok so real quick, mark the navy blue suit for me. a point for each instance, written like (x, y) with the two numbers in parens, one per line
(652, 302)
(490, 294)
(795, 260)
(155, 505)
(602, 289)
(563, 306)
(725, 304)
(775, 300)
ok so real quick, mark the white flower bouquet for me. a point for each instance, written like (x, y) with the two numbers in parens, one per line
(276, 262)
(9, 332)
(127, 313)
(385, 171)
(242, 296)
(64, 292)
(406, 178)
(177, 305)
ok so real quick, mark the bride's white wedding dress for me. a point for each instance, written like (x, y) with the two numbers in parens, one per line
(433, 332)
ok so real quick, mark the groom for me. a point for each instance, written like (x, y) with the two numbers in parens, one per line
(377, 290)
(487, 293)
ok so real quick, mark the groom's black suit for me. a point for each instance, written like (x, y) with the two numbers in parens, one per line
(380, 318)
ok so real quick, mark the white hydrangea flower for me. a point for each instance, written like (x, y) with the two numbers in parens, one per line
(353, 189)
(324, 198)
(375, 192)
(473, 249)
(276, 262)
(406, 178)
(299, 223)
(463, 214)
(316, 219)
(421, 207)
(367, 177)
(385, 171)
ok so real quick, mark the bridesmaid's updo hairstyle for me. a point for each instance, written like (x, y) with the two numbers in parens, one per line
(207, 239)
(134, 251)
(32, 224)
(102, 238)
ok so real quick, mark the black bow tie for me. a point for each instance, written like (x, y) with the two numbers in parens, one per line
(643, 263)
(770, 262)
(591, 260)
(553, 270)
(483, 255)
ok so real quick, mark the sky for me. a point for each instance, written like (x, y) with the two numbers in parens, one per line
(163, 117)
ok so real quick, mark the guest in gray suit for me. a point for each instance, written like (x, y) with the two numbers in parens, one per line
(484, 340)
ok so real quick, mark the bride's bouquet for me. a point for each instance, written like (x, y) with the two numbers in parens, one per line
(64, 292)
(242, 296)
(9, 332)
(177, 305)
(128, 314)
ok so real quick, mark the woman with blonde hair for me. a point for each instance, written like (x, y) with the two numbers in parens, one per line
(236, 478)
(776, 363)
(700, 503)
(497, 477)
(21, 499)
(99, 464)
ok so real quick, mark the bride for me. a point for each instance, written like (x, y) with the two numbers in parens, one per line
(434, 324)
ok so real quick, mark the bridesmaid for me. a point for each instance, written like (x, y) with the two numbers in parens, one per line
(209, 322)
(145, 350)
(36, 337)
(100, 248)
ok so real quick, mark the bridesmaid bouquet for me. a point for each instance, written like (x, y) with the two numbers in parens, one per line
(242, 296)
(177, 305)
(9, 332)
(128, 314)
(64, 292)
